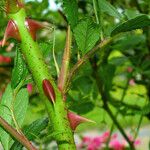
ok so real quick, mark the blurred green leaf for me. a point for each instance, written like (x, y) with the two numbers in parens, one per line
(86, 33)
(31, 132)
(105, 6)
(132, 24)
(5, 104)
(71, 11)
(20, 105)
(20, 70)
(106, 73)
(46, 47)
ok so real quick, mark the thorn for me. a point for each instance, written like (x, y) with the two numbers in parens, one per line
(33, 26)
(75, 120)
(48, 90)
(11, 32)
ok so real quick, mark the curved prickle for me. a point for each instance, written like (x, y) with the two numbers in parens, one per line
(33, 26)
(75, 120)
(13, 32)
(48, 90)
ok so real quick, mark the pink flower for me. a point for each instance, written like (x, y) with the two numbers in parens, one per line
(132, 82)
(92, 143)
(105, 136)
(116, 145)
(97, 141)
(29, 88)
(114, 136)
(129, 69)
(137, 142)
(86, 140)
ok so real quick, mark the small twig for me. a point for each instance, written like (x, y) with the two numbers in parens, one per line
(65, 62)
(105, 98)
(95, 11)
(24, 141)
(88, 55)
(138, 127)
(119, 126)
(54, 57)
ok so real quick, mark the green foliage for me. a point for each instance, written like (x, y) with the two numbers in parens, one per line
(16, 105)
(106, 7)
(46, 47)
(71, 11)
(5, 113)
(106, 73)
(132, 24)
(20, 70)
(32, 131)
(21, 105)
(86, 33)
(145, 110)
(128, 61)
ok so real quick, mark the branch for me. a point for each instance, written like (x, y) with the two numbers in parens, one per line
(118, 126)
(65, 62)
(22, 139)
(88, 55)
(105, 98)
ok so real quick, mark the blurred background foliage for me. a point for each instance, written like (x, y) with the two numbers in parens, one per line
(125, 69)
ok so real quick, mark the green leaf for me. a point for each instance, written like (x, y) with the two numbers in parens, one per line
(32, 131)
(145, 110)
(5, 114)
(20, 70)
(86, 33)
(71, 11)
(105, 6)
(132, 24)
(106, 73)
(46, 47)
(20, 105)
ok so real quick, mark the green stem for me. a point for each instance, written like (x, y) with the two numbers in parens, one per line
(39, 69)
(95, 11)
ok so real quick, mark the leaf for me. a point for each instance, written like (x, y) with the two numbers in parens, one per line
(20, 70)
(46, 47)
(132, 24)
(105, 6)
(71, 11)
(32, 131)
(5, 114)
(20, 105)
(86, 33)
(145, 110)
(106, 73)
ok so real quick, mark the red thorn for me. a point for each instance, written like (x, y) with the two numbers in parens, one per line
(48, 90)
(33, 26)
(75, 120)
(4, 59)
(11, 32)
